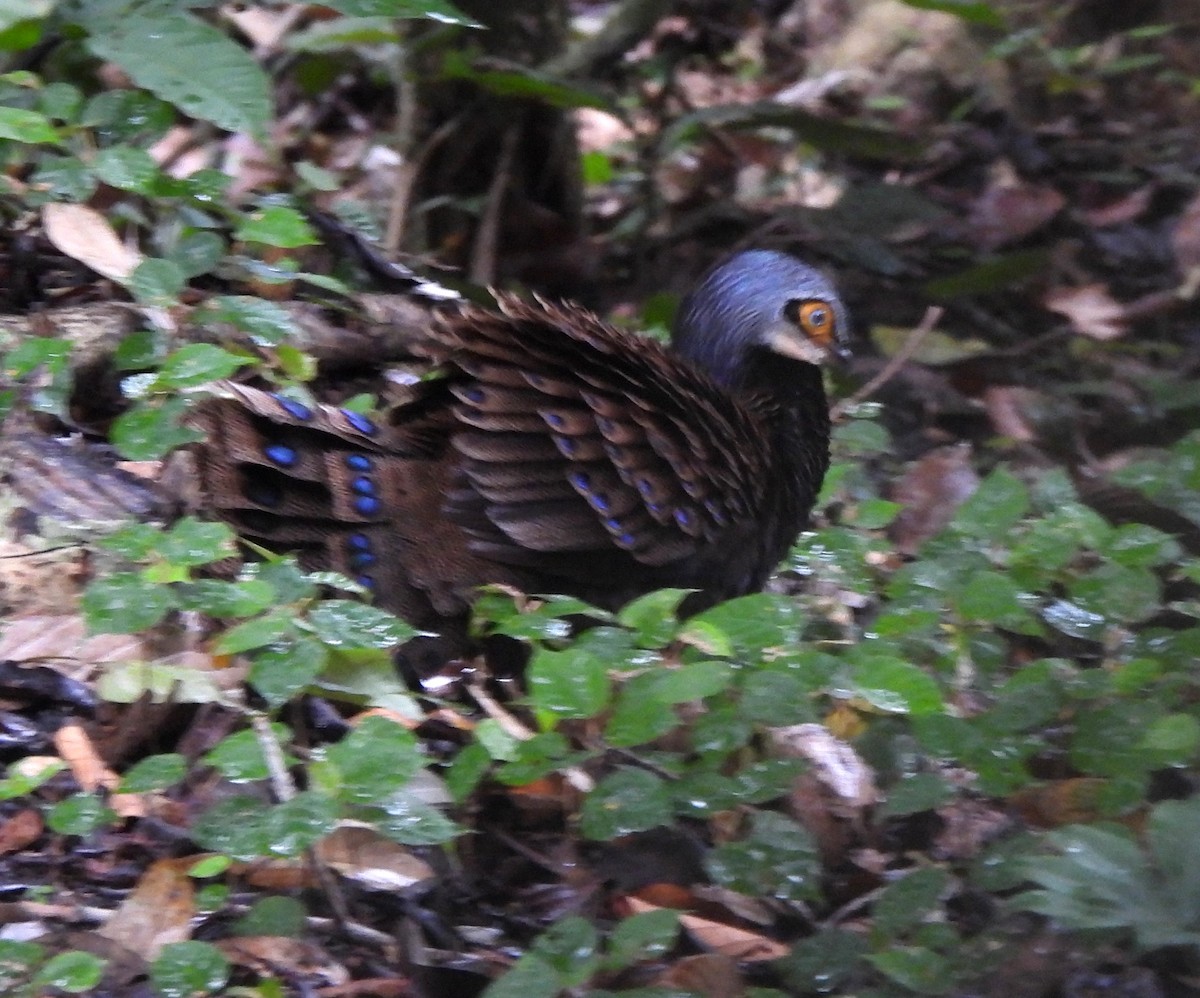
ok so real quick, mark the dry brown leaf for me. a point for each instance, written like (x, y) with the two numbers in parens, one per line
(835, 764)
(1003, 405)
(44, 637)
(267, 954)
(360, 853)
(710, 975)
(1008, 213)
(717, 937)
(931, 491)
(731, 941)
(1185, 237)
(77, 750)
(83, 234)
(1090, 309)
(1125, 209)
(158, 912)
(20, 830)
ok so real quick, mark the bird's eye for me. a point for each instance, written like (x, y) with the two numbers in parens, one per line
(814, 317)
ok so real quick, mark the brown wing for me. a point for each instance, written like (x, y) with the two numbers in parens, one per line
(346, 493)
(577, 438)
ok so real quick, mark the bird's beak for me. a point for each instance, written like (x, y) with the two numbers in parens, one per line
(787, 340)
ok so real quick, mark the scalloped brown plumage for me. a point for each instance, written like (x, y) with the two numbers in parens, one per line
(554, 452)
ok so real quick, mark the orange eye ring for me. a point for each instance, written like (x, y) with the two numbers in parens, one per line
(814, 317)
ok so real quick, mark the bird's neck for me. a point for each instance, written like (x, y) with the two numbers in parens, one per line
(788, 396)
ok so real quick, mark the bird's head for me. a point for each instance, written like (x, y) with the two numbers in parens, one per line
(760, 300)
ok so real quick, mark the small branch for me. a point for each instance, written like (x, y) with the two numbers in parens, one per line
(929, 321)
(630, 22)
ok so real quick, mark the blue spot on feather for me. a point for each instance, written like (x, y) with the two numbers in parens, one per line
(281, 454)
(359, 462)
(367, 505)
(297, 410)
(359, 422)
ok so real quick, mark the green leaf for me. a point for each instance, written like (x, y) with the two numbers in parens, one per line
(990, 275)
(908, 901)
(629, 800)
(775, 698)
(523, 83)
(17, 961)
(19, 783)
(916, 968)
(298, 824)
(441, 11)
(820, 963)
(267, 322)
(343, 623)
(336, 35)
(277, 225)
(197, 364)
(894, 685)
(467, 770)
(971, 11)
(570, 946)
(690, 681)
(73, 971)
(754, 623)
(374, 761)
(916, 793)
(534, 758)
(192, 542)
(19, 125)
(529, 977)
(209, 866)
(569, 683)
(124, 603)
(197, 253)
(79, 814)
(992, 597)
(779, 858)
(187, 969)
(1175, 738)
(147, 431)
(637, 718)
(127, 682)
(369, 678)
(155, 772)
(239, 757)
(994, 508)
(413, 823)
(219, 598)
(1118, 593)
(126, 168)
(158, 283)
(273, 916)
(237, 826)
(284, 576)
(255, 633)
(282, 670)
(648, 935)
(62, 178)
(652, 616)
(190, 63)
